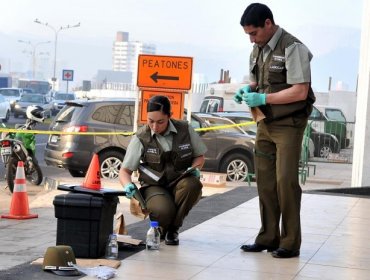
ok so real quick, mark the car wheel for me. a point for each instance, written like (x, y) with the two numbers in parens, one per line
(236, 166)
(110, 164)
(77, 173)
(324, 150)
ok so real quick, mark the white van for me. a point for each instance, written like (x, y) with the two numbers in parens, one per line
(220, 98)
(12, 95)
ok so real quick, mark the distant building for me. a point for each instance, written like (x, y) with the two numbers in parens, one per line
(126, 53)
(111, 79)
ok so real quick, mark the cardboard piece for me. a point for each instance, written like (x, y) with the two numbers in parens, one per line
(212, 179)
(119, 224)
(87, 262)
(257, 114)
(128, 239)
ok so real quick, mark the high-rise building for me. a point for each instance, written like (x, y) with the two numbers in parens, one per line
(126, 53)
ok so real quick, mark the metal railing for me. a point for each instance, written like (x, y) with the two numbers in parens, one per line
(332, 142)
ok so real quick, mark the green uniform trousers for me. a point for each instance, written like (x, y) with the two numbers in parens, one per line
(170, 206)
(277, 154)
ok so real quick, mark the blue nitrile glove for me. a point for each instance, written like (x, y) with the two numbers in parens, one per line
(238, 97)
(255, 99)
(195, 172)
(130, 190)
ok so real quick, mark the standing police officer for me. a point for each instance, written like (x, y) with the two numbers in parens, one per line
(280, 88)
(162, 150)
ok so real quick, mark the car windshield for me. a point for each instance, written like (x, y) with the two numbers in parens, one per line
(28, 90)
(335, 115)
(64, 96)
(32, 98)
(9, 92)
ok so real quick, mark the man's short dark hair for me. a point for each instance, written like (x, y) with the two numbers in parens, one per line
(256, 14)
(159, 103)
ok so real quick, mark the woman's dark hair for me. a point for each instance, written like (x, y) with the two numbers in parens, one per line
(159, 103)
(256, 14)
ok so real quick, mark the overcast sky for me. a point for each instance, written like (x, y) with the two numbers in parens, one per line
(207, 30)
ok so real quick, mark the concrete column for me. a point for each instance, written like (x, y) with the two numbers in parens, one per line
(361, 151)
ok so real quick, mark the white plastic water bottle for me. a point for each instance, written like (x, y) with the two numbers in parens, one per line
(111, 251)
(153, 236)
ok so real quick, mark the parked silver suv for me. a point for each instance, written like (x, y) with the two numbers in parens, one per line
(74, 152)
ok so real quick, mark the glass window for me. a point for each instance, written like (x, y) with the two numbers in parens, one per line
(106, 114)
(64, 96)
(335, 114)
(9, 92)
(127, 115)
(220, 122)
(32, 98)
(213, 105)
(315, 114)
(66, 114)
(203, 107)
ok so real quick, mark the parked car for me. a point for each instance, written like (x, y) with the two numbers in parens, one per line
(226, 151)
(331, 120)
(74, 152)
(12, 95)
(324, 143)
(4, 109)
(230, 150)
(60, 99)
(26, 100)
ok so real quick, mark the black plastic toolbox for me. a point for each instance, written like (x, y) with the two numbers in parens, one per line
(85, 222)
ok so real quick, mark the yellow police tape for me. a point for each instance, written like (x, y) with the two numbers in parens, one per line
(219, 127)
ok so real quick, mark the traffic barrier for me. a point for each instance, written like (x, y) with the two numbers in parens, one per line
(19, 208)
(92, 178)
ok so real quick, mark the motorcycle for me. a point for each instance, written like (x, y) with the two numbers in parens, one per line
(17, 146)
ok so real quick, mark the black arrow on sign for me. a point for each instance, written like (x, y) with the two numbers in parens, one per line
(155, 77)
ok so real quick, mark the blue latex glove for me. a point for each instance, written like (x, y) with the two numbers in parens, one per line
(254, 99)
(238, 97)
(195, 172)
(130, 190)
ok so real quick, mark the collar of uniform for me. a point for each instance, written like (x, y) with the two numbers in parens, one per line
(275, 38)
(170, 128)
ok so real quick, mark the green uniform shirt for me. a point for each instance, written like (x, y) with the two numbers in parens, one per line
(135, 149)
(297, 59)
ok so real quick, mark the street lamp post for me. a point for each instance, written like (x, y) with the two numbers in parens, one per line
(33, 53)
(56, 33)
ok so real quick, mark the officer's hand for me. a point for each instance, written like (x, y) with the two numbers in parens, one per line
(255, 99)
(238, 97)
(130, 190)
(195, 172)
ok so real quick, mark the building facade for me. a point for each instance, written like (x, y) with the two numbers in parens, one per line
(126, 53)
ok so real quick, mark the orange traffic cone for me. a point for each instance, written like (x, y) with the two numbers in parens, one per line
(19, 206)
(92, 178)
